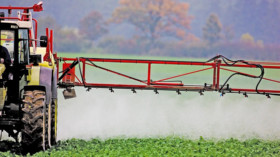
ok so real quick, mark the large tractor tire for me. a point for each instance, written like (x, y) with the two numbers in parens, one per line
(35, 121)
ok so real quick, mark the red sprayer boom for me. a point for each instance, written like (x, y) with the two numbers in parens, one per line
(69, 79)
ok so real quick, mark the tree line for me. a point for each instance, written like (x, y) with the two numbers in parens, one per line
(160, 27)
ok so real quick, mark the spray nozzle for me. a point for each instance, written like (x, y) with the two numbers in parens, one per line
(178, 92)
(88, 89)
(222, 93)
(156, 91)
(111, 89)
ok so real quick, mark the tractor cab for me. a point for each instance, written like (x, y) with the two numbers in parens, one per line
(14, 56)
(16, 41)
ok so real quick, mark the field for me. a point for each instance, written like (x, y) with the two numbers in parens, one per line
(161, 147)
(145, 124)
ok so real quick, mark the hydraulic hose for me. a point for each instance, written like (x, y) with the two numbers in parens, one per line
(226, 60)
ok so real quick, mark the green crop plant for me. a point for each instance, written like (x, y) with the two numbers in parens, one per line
(160, 147)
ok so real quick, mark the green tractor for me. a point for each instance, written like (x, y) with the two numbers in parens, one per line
(28, 81)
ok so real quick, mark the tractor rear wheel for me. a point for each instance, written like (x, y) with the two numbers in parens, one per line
(34, 131)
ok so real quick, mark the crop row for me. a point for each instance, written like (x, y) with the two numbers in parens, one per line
(161, 147)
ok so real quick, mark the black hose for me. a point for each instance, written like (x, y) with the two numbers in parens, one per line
(226, 60)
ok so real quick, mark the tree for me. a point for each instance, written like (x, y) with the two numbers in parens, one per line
(228, 33)
(247, 38)
(47, 22)
(212, 30)
(154, 18)
(92, 26)
(65, 39)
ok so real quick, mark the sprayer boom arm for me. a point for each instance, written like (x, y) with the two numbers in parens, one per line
(68, 77)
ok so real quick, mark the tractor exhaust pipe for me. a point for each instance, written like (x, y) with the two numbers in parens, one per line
(69, 93)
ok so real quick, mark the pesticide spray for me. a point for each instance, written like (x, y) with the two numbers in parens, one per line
(101, 114)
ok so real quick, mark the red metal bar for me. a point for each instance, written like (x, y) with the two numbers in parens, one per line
(10, 18)
(149, 74)
(214, 76)
(78, 79)
(30, 36)
(101, 85)
(250, 75)
(218, 74)
(51, 41)
(141, 61)
(168, 84)
(36, 7)
(48, 45)
(254, 91)
(24, 17)
(84, 70)
(36, 31)
(182, 75)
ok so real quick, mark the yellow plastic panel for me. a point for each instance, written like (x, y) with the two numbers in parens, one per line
(2, 69)
(3, 92)
(35, 76)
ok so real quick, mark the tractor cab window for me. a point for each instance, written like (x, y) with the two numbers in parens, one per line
(23, 46)
(7, 41)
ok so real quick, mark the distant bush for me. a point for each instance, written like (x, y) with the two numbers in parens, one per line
(119, 45)
(69, 40)
(237, 50)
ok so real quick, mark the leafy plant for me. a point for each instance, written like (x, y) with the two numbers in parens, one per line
(170, 146)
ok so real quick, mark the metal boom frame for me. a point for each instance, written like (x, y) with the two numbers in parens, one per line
(217, 64)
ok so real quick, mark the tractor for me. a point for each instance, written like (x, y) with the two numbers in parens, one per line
(28, 87)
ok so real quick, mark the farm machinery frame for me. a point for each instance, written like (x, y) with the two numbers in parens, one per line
(69, 79)
(28, 86)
